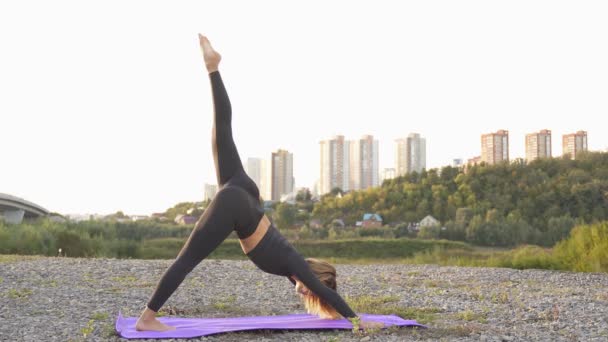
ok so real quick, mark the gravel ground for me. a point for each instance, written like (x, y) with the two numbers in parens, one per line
(63, 299)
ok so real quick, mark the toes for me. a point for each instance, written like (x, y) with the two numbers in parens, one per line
(203, 40)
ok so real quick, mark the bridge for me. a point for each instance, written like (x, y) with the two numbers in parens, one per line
(14, 209)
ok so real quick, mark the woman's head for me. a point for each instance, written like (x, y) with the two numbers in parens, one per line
(326, 274)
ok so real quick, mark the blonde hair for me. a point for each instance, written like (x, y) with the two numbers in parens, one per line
(326, 273)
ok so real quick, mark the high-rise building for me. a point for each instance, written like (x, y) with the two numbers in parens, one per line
(257, 170)
(364, 163)
(473, 161)
(282, 174)
(400, 156)
(349, 164)
(335, 164)
(266, 182)
(316, 192)
(410, 154)
(538, 145)
(495, 147)
(574, 143)
(254, 170)
(210, 191)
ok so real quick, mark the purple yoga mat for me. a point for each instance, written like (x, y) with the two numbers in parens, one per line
(196, 327)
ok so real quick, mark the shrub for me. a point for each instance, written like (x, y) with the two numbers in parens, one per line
(586, 250)
(527, 257)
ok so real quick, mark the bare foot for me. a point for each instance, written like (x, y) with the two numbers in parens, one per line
(152, 324)
(212, 57)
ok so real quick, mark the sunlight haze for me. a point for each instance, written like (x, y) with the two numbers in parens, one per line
(106, 106)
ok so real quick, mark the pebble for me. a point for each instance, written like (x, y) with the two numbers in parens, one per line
(60, 299)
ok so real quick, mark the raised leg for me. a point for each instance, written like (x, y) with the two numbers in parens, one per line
(225, 154)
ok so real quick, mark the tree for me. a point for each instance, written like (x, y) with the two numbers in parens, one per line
(473, 229)
(429, 232)
(453, 231)
(181, 208)
(285, 215)
(304, 195)
(515, 202)
(336, 191)
(463, 216)
(559, 228)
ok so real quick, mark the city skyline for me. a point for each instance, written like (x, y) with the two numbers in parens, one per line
(337, 162)
(261, 170)
(100, 118)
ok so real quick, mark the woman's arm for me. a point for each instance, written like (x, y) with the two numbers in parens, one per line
(299, 268)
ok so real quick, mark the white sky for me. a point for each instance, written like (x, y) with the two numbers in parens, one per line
(106, 105)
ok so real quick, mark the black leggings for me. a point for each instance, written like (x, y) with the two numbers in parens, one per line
(236, 206)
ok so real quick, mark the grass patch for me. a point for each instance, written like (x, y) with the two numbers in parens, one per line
(450, 332)
(48, 283)
(141, 285)
(421, 315)
(585, 250)
(88, 329)
(226, 304)
(7, 258)
(478, 295)
(115, 290)
(88, 278)
(196, 282)
(124, 280)
(387, 305)
(369, 301)
(470, 315)
(19, 294)
(375, 248)
(361, 250)
(431, 283)
(99, 316)
(500, 298)
(108, 330)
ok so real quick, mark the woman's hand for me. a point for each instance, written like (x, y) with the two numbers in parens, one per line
(212, 57)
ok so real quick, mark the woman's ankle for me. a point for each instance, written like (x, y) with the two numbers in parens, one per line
(147, 315)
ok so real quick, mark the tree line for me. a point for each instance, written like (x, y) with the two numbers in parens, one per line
(495, 205)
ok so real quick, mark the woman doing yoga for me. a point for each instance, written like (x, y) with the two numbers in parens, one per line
(236, 206)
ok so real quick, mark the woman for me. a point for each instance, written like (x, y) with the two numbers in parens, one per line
(236, 206)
